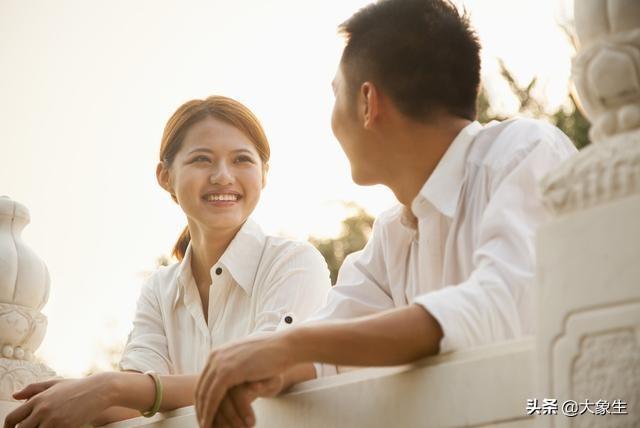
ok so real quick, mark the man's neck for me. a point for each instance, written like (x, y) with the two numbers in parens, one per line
(416, 151)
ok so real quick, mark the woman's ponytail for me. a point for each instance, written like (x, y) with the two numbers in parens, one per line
(180, 248)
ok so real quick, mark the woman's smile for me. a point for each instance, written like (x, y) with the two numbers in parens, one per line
(222, 199)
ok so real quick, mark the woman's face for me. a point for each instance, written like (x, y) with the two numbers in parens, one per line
(216, 176)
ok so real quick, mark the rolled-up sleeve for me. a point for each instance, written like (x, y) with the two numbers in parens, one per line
(496, 302)
(146, 348)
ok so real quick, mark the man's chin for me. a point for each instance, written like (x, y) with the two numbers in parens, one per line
(362, 179)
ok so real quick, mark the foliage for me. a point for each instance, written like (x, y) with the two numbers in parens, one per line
(573, 123)
(356, 229)
(568, 118)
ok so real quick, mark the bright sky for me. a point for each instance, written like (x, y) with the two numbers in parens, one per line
(85, 91)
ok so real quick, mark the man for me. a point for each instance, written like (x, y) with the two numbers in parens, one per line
(452, 266)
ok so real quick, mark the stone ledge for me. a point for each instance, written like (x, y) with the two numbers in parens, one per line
(480, 387)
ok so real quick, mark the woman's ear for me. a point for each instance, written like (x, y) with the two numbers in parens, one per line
(265, 170)
(164, 178)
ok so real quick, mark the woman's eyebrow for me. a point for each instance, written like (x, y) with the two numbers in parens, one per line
(207, 150)
(243, 151)
(201, 149)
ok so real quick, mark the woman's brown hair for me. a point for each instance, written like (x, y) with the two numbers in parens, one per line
(222, 108)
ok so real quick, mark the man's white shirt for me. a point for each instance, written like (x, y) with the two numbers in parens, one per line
(470, 259)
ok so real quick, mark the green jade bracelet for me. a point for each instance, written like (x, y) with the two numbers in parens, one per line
(158, 400)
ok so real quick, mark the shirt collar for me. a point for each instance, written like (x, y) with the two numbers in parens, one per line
(242, 256)
(184, 275)
(443, 186)
(241, 259)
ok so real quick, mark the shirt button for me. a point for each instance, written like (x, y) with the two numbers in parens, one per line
(218, 271)
(288, 319)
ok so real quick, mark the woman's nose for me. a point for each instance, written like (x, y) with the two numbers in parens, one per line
(221, 175)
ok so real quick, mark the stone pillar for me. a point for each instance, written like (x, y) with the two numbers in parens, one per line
(588, 340)
(24, 290)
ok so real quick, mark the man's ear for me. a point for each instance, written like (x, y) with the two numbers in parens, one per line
(371, 100)
(164, 179)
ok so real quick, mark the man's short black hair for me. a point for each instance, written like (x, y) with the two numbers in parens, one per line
(422, 53)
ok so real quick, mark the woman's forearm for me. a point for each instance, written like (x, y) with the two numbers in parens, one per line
(398, 336)
(300, 373)
(133, 393)
(137, 391)
(114, 414)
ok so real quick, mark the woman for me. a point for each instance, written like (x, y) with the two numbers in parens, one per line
(231, 280)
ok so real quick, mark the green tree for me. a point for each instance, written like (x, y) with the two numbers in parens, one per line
(355, 232)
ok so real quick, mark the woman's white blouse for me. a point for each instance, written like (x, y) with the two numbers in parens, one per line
(260, 284)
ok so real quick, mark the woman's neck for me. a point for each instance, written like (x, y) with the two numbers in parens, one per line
(206, 249)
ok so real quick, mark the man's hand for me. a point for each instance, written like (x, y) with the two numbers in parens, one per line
(237, 374)
(396, 336)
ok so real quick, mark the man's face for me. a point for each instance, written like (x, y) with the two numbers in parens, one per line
(347, 126)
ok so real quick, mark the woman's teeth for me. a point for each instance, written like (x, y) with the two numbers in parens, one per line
(222, 197)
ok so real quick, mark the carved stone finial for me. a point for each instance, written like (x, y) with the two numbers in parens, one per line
(24, 290)
(606, 72)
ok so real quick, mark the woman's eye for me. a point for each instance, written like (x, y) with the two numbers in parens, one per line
(200, 159)
(243, 159)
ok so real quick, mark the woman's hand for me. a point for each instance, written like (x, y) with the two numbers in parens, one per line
(68, 403)
(235, 408)
(35, 388)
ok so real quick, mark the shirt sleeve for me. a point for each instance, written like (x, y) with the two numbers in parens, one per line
(296, 286)
(361, 289)
(496, 302)
(146, 347)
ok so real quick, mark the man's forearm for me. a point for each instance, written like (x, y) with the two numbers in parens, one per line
(394, 337)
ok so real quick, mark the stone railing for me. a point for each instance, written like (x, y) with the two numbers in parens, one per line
(482, 387)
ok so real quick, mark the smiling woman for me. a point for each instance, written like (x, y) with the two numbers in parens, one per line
(231, 280)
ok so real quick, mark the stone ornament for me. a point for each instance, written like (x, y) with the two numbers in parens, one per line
(600, 173)
(606, 73)
(588, 334)
(24, 290)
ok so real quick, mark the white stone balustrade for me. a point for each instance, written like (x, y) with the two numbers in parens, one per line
(24, 289)
(588, 340)
(480, 387)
